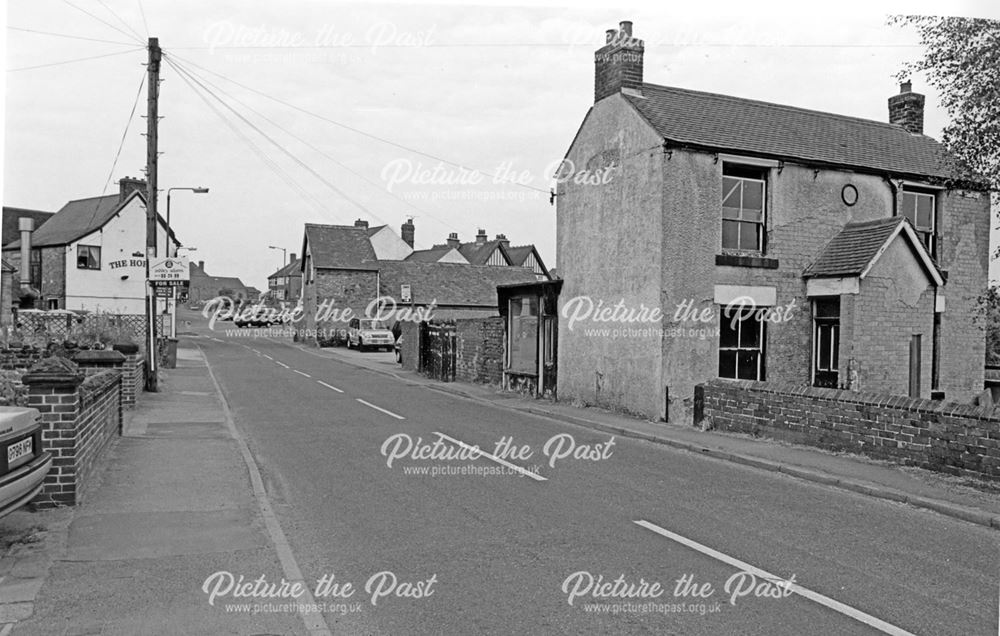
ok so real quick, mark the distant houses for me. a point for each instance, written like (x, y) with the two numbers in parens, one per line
(286, 283)
(346, 267)
(204, 287)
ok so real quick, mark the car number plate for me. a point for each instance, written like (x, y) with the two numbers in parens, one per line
(18, 450)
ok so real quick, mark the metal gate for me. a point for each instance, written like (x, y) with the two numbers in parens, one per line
(437, 350)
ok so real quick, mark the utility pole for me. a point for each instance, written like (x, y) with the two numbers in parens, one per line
(152, 119)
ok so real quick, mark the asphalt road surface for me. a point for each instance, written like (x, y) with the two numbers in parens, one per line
(600, 537)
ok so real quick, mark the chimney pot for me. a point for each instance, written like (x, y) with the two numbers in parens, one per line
(618, 64)
(907, 109)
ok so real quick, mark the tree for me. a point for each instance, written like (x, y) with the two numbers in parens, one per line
(962, 62)
(988, 314)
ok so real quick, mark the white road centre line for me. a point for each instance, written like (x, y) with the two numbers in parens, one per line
(816, 597)
(279, 362)
(268, 357)
(300, 373)
(329, 386)
(502, 462)
(379, 408)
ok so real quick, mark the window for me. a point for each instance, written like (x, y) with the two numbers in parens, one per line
(741, 344)
(920, 209)
(53, 303)
(826, 341)
(744, 192)
(88, 257)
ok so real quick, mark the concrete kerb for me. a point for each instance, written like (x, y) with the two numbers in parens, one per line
(877, 491)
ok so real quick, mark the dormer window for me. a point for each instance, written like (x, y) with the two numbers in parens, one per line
(744, 193)
(920, 207)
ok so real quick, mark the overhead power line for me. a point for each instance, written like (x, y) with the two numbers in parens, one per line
(142, 12)
(281, 148)
(119, 18)
(364, 133)
(66, 35)
(73, 61)
(104, 22)
(272, 165)
(320, 151)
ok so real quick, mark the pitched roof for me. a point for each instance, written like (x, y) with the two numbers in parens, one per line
(7, 267)
(854, 249)
(11, 231)
(288, 270)
(340, 246)
(432, 255)
(748, 126)
(479, 253)
(449, 283)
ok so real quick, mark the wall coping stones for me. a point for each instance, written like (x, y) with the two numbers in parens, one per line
(102, 356)
(920, 405)
(56, 371)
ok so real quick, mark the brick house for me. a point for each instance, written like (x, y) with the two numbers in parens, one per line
(714, 236)
(203, 287)
(347, 267)
(90, 255)
(286, 283)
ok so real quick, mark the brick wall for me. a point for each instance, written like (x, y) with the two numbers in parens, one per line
(942, 436)
(20, 357)
(53, 275)
(479, 350)
(347, 289)
(79, 418)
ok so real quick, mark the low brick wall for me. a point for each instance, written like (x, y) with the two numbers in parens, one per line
(479, 350)
(943, 436)
(15, 358)
(80, 416)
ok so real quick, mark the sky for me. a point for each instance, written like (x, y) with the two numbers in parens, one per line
(453, 114)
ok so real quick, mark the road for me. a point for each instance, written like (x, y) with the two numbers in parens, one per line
(506, 553)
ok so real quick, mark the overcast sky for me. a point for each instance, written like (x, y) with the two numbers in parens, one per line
(501, 89)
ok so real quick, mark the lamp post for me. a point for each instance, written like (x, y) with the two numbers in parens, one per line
(173, 318)
(169, 190)
(284, 254)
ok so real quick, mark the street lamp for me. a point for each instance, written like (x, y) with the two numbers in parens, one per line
(284, 254)
(173, 318)
(169, 190)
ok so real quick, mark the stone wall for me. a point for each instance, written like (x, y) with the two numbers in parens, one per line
(943, 436)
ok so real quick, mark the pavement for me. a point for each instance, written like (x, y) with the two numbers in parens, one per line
(953, 497)
(173, 504)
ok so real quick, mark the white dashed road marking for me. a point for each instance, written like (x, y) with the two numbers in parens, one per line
(329, 386)
(278, 362)
(836, 606)
(379, 408)
(300, 373)
(502, 462)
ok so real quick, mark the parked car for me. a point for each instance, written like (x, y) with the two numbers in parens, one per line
(368, 333)
(26, 465)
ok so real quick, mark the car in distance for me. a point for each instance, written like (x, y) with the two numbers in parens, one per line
(368, 333)
(23, 462)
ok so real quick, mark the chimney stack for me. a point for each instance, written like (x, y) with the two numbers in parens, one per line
(481, 237)
(293, 258)
(361, 223)
(201, 266)
(907, 109)
(406, 232)
(503, 240)
(453, 240)
(127, 185)
(26, 227)
(618, 64)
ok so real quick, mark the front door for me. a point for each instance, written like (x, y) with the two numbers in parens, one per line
(826, 341)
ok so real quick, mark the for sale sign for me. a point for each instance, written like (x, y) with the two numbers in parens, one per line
(174, 268)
